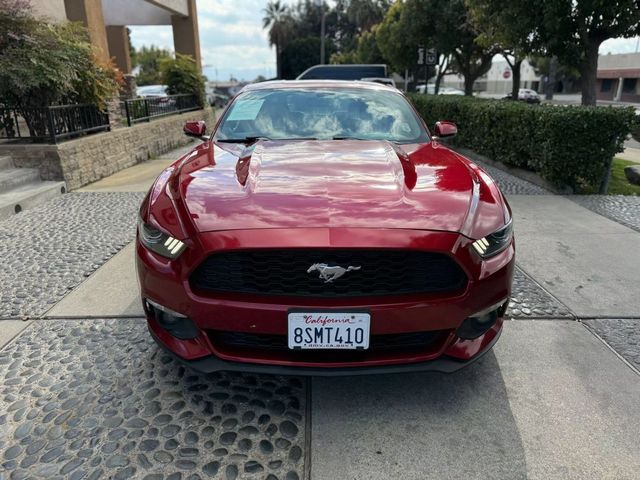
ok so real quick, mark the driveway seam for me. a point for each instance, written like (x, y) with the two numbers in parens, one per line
(624, 360)
(307, 430)
(525, 273)
(86, 279)
(17, 335)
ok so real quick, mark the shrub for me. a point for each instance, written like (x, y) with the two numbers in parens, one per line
(45, 64)
(567, 145)
(181, 75)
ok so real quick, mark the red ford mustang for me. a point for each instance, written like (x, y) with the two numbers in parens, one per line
(322, 230)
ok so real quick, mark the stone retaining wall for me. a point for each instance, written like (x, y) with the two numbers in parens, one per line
(87, 159)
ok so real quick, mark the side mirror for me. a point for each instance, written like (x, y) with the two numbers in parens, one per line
(195, 128)
(445, 129)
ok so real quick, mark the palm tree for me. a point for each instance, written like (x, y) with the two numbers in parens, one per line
(278, 20)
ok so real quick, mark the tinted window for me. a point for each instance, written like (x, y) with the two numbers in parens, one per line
(629, 85)
(606, 85)
(322, 113)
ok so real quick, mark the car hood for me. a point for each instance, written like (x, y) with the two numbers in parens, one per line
(369, 184)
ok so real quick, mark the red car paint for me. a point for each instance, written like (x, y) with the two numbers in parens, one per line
(325, 194)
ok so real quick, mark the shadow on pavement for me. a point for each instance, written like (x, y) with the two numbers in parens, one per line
(416, 426)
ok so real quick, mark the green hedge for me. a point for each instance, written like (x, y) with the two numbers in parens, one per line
(567, 145)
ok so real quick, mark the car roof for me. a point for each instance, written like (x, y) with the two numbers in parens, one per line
(286, 84)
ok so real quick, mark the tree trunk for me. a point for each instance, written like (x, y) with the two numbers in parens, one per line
(468, 85)
(515, 82)
(588, 72)
(550, 86)
(278, 62)
(436, 89)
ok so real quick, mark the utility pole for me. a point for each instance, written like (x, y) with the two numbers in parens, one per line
(322, 29)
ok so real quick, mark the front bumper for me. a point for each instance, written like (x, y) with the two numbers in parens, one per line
(443, 364)
(167, 283)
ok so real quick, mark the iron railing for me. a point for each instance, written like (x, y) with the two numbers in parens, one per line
(145, 109)
(51, 124)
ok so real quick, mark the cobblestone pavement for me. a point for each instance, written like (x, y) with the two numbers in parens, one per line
(529, 300)
(49, 250)
(98, 399)
(623, 209)
(623, 335)
(512, 185)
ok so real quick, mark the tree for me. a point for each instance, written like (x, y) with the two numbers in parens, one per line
(436, 24)
(508, 27)
(394, 41)
(574, 30)
(302, 53)
(44, 64)
(364, 14)
(367, 50)
(181, 75)
(279, 22)
(148, 59)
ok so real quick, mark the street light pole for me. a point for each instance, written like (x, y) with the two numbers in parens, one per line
(322, 29)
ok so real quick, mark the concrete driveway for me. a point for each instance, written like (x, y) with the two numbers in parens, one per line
(86, 394)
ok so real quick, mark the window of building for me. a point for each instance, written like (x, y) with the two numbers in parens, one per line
(629, 85)
(606, 85)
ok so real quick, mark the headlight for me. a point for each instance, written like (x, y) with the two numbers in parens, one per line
(159, 242)
(495, 243)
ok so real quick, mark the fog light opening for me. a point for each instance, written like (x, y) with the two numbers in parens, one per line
(176, 324)
(479, 323)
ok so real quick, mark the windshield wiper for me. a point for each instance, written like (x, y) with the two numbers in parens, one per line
(242, 140)
(347, 137)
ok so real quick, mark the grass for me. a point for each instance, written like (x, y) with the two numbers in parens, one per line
(619, 185)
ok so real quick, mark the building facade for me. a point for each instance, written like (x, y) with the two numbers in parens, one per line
(107, 22)
(499, 78)
(619, 77)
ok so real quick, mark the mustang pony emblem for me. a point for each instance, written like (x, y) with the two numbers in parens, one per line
(329, 274)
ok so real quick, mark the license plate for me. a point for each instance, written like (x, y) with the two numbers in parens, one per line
(329, 330)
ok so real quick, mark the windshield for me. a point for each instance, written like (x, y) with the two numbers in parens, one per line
(322, 113)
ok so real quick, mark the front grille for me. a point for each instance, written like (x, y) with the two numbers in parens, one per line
(414, 341)
(284, 272)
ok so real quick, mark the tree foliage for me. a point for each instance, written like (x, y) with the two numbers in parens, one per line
(148, 59)
(45, 64)
(181, 75)
(574, 30)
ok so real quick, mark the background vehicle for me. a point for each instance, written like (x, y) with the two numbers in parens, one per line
(450, 91)
(151, 91)
(344, 72)
(431, 88)
(525, 95)
(216, 99)
(390, 82)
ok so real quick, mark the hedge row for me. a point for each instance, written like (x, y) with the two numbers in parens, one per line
(567, 145)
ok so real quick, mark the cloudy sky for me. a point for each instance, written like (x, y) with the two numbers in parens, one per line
(233, 42)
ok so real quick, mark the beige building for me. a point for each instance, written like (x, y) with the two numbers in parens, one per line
(107, 22)
(619, 77)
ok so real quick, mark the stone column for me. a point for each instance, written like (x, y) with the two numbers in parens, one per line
(618, 93)
(118, 41)
(89, 12)
(186, 38)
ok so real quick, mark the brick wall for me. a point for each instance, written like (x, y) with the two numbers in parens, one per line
(87, 159)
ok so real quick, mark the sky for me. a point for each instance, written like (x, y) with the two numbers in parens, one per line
(233, 42)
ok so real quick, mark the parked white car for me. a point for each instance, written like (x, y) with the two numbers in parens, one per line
(526, 95)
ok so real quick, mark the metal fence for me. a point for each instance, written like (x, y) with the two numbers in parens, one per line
(145, 109)
(51, 124)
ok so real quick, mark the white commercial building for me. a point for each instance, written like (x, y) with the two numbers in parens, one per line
(499, 78)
